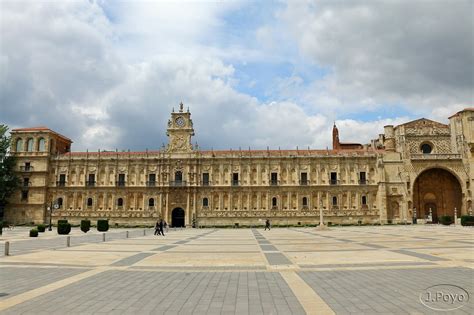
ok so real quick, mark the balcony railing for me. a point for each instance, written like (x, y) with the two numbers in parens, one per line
(25, 168)
(60, 183)
(120, 183)
(178, 183)
(430, 156)
(274, 182)
(363, 181)
(90, 183)
(333, 182)
(151, 183)
(235, 182)
(304, 182)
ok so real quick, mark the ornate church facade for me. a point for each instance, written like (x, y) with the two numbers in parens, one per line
(412, 170)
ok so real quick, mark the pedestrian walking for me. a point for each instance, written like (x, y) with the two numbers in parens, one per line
(161, 225)
(157, 227)
(267, 224)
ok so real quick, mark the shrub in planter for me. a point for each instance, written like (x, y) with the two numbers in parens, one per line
(33, 233)
(64, 228)
(467, 220)
(102, 225)
(446, 220)
(62, 221)
(85, 225)
(41, 228)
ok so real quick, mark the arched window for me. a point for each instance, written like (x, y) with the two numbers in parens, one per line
(89, 202)
(19, 145)
(334, 201)
(151, 202)
(364, 200)
(305, 202)
(60, 202)
(274, 202)
(29, 145)
(120, 202)
(426, 148)
(41, 144)
(205, 202)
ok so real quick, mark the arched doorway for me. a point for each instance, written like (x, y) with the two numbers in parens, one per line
(177, 217)
(438, 190)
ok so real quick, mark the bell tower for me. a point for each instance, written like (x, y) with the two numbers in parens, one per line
(179, 132)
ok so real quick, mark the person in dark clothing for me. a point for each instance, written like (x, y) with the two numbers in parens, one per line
(161, 225)
(157, 228)
(267, 225)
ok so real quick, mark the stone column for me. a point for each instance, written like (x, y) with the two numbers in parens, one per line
(188, 212)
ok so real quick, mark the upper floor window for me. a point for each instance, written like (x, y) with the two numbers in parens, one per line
(274, 202)
(205, 179)
(60, 202)
(19, 145)
(333, 180)
(304, 178)
(178, 176)
(62, 180)
(305, 202)
(41, 145)
(121, 180)
(120, 202)
(364, 200)
(205, 202)
(151, 202)
(362, 178)
(274, 178)
(235, 179)
(334, 201)
(89, 202)
(29, 145)
(151, 180)
(91, 180)
(426, 148)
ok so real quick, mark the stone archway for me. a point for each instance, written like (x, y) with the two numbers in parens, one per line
(177, 218)
(439, 190)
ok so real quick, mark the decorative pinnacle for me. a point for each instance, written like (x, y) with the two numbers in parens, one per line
(181, 107)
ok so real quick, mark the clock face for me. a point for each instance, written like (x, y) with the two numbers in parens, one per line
(179, 121)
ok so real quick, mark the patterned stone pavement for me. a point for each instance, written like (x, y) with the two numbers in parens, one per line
(346, 270)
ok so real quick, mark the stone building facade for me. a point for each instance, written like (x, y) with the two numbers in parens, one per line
(411, 169)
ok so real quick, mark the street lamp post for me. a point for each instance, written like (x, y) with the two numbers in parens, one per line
(414, 215)
(455, 215)
(321, 225)
(50, 208)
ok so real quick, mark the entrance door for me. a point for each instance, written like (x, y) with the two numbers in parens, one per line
(177, 218)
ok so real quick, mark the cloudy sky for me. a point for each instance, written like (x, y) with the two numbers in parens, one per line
(278, 73)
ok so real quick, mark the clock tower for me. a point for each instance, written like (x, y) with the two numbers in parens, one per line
(180, 130)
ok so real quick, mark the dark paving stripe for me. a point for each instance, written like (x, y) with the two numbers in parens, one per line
(389, 264)
(268, 248)
(419, 255)
(277, 259)
(264, 242)
(181, 242)
(202, 268)
(163, 248)
(132, 259)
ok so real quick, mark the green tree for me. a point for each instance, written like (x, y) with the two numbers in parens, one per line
(9, 181)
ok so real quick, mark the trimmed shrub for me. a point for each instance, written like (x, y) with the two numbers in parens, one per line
(62, 221)
(64, 228)
(41, 228)
(33, 233)
(467, 220)
(446, 220)
(102, 225)
(85, 225)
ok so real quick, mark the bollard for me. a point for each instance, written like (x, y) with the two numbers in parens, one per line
(68, 241)
(7, 248)
(144, 232)
(103, 237)
(126, 234)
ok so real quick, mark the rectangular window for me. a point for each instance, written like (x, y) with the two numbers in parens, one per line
(235, 179)
(62, 180)
(24, 195)
(205, 179)
(28, 166)
(333, 178)
(304, 179)
(26, 182)
(91, 180)
(121, 180)
(274, 179)
(151, 180)
(362, 178)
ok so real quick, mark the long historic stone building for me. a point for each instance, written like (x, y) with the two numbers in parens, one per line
(408, 171)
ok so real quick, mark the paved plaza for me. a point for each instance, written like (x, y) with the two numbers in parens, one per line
(346, 270)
